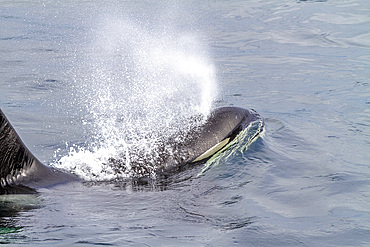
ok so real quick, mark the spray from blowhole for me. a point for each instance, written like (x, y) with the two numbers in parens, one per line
(139, 88)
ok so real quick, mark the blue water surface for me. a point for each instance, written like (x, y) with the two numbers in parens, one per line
(303, 65)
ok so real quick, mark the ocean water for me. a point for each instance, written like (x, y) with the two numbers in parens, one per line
(85, 80)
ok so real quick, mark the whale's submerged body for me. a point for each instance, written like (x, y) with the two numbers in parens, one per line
(22, 172)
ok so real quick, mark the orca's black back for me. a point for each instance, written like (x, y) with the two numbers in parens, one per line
(14, 156)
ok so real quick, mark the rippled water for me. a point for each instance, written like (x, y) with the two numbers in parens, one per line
(303, 65)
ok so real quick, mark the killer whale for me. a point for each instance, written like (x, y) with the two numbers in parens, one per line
(220, 128)
(22, 172)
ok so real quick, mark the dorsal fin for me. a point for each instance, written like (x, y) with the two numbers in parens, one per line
(15, 159)
(19, 168)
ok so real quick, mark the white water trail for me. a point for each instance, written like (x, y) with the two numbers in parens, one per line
(138, 87)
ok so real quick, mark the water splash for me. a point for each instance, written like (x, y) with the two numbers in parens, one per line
(139, 88)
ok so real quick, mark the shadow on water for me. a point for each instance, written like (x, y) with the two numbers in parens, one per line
(12, 206)
(173, 180)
